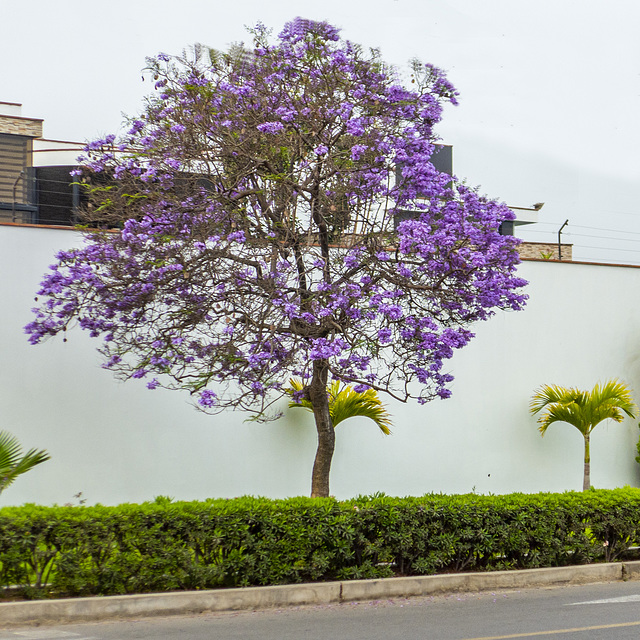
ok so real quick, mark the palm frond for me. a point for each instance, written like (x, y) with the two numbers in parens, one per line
(295, 387)
(611, 400)
(9, 450)
(345, 403)
(13, 463)
(570, 413)
(582, 409)
(367, 404)
(549, 394)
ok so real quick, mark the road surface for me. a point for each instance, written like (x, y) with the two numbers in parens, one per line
(604, 612)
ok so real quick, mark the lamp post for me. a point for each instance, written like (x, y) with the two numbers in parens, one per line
(566, 222)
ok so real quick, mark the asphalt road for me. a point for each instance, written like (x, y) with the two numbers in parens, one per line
(604, 611)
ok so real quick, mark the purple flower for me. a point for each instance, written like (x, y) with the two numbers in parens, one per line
(357, 151)
(361, 388)
(356, 127)
(270, 127)
(286, 114)
(237, 236)
(323, 349)
(207, 398)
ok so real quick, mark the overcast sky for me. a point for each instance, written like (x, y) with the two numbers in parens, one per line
(550, 89)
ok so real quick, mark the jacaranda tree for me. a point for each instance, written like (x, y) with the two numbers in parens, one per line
(259, 206)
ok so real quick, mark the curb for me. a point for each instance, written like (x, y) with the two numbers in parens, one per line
(70, 610)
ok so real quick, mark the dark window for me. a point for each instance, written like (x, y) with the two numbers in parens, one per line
(58, 196)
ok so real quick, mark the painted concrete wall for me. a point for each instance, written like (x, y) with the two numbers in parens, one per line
(118, 442)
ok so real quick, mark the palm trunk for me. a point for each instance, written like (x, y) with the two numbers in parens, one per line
(324, 427)
(586, 482)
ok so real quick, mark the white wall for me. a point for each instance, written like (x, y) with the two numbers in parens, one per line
(55, 152)
(118, 442)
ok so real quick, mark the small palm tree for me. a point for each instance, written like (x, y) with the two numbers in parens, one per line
(13, 463)
(584, 410)
(346, 403)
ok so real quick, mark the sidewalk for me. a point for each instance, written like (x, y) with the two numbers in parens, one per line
(70, 610)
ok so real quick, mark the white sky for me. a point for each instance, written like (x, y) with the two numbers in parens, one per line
(550, 89)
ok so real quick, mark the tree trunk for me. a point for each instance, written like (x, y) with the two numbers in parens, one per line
(324, 427)
(586, 482)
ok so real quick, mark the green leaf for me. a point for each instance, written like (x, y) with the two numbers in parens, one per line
(582, 409)
(13, 463)
(345, 403)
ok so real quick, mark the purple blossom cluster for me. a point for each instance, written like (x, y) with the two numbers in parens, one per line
(249, 235)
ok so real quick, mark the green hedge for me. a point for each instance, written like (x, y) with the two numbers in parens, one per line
(163, 546)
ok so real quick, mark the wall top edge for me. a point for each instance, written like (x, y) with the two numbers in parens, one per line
(23, 118)
(597, 264)
(83, 144)
(545, 244)
(550, 261)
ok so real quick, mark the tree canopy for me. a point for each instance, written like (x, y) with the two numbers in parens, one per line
(252, 227)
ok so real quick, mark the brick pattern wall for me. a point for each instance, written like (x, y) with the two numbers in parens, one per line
(545, 251)
(19, 126)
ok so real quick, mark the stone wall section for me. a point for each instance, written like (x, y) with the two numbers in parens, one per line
(544, 251)
(18, 126)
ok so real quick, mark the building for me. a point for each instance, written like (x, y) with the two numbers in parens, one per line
(35, 182)
(36, 186)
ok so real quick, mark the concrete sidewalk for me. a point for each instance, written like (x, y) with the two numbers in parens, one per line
(70, 610)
